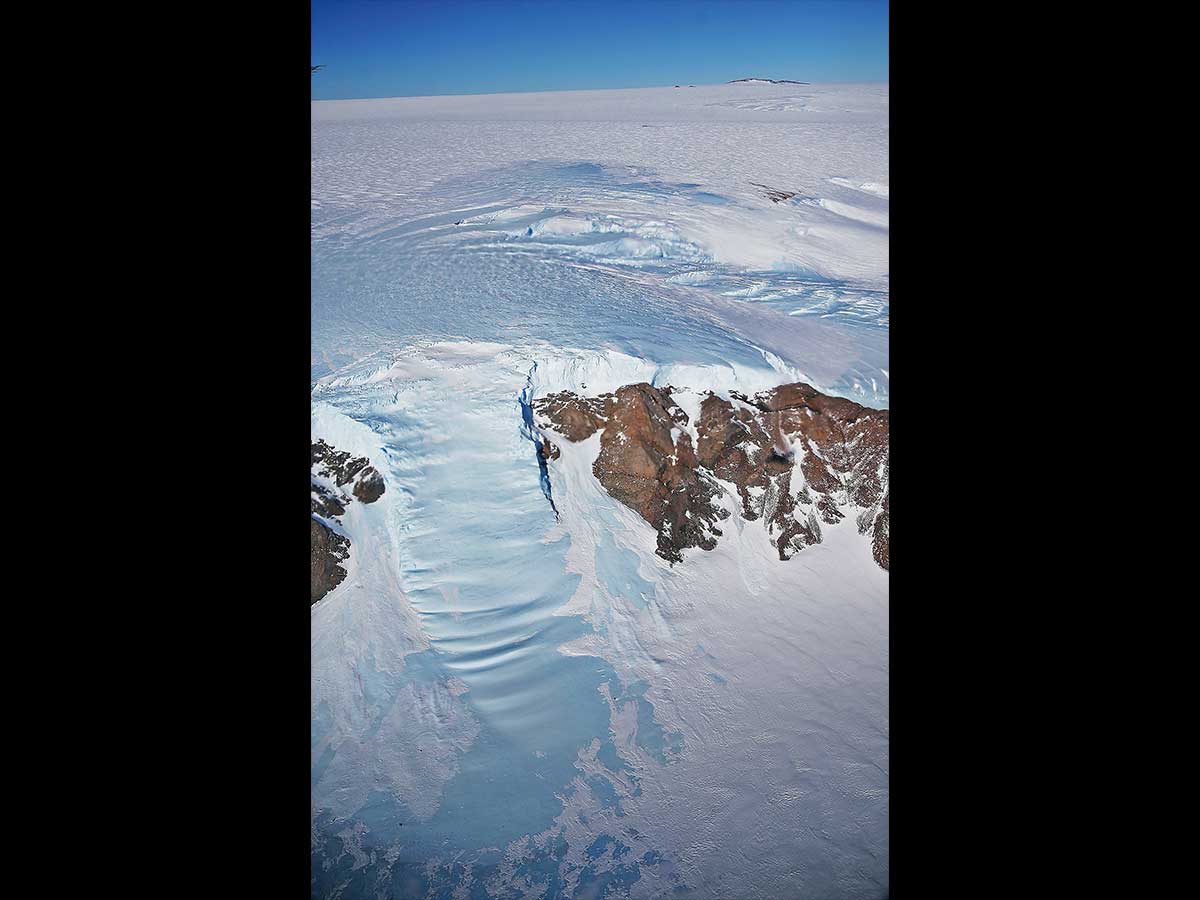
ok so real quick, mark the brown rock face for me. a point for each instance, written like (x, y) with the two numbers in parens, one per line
(797, 458)
(646, 461)
(879, 539)
(845, 456)
(369, 486)
(575, 418)
(327, 549)
(747, 449)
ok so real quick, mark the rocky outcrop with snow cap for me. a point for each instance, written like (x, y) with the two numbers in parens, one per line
(342, 469)
(795, 457)
(331, 471)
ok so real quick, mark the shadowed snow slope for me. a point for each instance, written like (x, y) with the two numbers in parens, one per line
(512, 694)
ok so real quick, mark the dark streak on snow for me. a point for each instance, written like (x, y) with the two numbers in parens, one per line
(529, 432)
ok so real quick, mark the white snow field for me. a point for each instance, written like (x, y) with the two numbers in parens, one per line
(514, 700)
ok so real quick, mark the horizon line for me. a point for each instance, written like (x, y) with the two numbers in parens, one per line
(641, 87)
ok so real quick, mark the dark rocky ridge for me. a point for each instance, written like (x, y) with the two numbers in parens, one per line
(775, 195)
(342, 467)
(751, 442)
(327, 547)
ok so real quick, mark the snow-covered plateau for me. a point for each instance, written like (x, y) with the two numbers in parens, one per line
(513, 694)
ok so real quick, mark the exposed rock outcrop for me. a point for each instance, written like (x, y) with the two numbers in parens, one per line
(331, 470)
(343, 468)
(327, 549)
(646, 461)
(797, 458)
(369, 486)
(325, 502)
(775, 195)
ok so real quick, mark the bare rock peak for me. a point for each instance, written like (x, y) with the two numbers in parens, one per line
(796, 457)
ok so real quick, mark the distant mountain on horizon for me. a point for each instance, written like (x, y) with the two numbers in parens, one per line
(764, 81)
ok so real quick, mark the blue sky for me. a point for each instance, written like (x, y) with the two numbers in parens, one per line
(404, 48)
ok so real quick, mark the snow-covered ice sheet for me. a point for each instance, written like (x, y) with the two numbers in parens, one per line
(530, 214)
(512, 695)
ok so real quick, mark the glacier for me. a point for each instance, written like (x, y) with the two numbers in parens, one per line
(512, 695)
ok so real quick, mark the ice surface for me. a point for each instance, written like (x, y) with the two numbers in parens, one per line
(614, 203)
(507, 702)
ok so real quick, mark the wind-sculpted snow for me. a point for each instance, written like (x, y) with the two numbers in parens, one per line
(574, 685)
(432, 217)
(513, 695)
